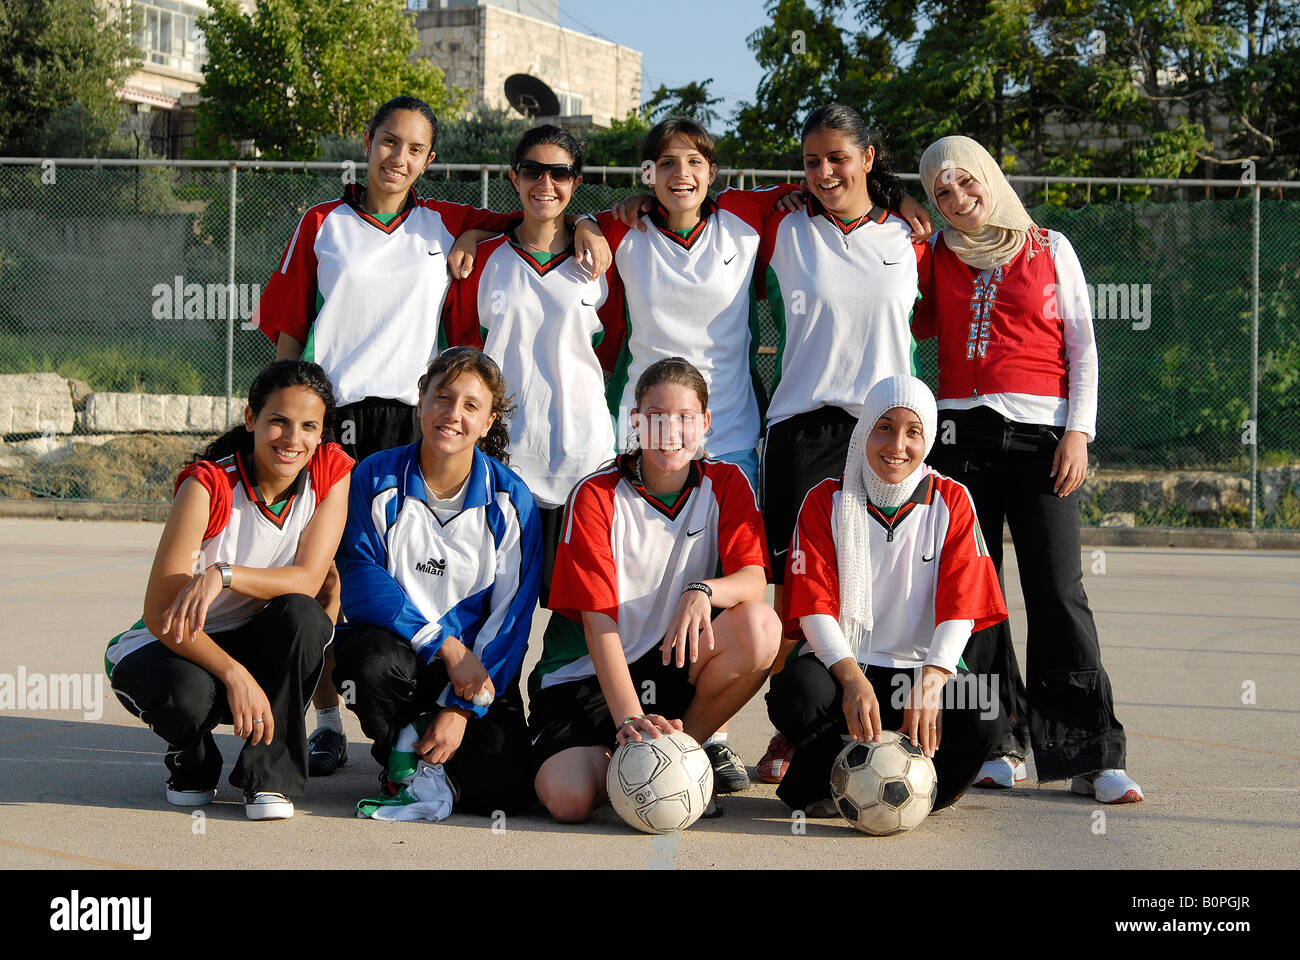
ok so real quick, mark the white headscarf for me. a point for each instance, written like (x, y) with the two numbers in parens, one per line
(1003, 234)
(861, 486)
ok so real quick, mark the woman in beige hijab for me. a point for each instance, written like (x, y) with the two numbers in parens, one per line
(1017, 406)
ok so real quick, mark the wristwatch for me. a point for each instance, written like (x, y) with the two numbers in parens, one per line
(585, 216)
(227, 572)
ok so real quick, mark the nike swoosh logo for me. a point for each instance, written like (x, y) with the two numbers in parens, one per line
(695, 532)
(730, 258)
(890, 263)
(434, 253)
(925, 559)
(589, 303)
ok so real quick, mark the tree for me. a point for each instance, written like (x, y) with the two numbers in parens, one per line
(61, 60)
(691, 100)
(294, 71)
(620, 145)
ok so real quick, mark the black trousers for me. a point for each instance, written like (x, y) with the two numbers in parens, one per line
(392, 688)
(1066, 708)
(282, 647)
(375, 423)
(805, 700)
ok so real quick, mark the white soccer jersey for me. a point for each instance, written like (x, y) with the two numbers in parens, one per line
(540, 322)
(842, 299)
(929, 565)
(689, 297)
(627, 554)
(243, 531)
(474, 577)
(364, 297)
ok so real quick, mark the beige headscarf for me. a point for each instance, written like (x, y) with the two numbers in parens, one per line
(1003, 234)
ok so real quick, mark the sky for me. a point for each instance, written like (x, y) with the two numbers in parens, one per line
(680, 40)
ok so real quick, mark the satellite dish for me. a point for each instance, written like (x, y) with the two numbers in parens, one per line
(531, 96)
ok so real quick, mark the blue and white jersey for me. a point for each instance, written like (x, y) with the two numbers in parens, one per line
(475, 577)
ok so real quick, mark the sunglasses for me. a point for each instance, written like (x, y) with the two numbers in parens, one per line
(532, 170)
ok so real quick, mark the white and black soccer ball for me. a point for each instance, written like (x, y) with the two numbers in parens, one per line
(660, 785)
(884, 787)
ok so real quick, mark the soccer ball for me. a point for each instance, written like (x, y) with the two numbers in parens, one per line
(884, 787)
(660, 785)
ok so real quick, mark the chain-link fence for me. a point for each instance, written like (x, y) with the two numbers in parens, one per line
(142, 278)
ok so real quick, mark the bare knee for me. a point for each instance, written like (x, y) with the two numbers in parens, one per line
(568, 787)
(759, 635)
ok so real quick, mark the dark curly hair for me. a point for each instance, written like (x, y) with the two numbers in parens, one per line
(274, 376)
(454, 361)
(883, 184)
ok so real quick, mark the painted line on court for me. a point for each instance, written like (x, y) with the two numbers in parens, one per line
(68, 573)
(1214, 743)
(75, 858)
(111, 763)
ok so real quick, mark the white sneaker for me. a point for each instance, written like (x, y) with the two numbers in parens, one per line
(190, 798)
(1001, 772)
(1108, 786)
(267, 806)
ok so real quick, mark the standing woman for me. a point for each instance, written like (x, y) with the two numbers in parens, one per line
(440, 564)
(537, 308)
(231, 631)
(359, 290)
(1018, 398)
(842, 276)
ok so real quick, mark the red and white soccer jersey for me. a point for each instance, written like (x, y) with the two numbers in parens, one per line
(540, 322)
(689, 297)
(929, 565)
(842, 299)
(243, 531)
(628, 555)
(364, 297)
(1017, 338)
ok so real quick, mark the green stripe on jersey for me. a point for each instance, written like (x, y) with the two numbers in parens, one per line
(777, 305)
(618, 379)
(108, 664)
(309, 348)
(563, 642)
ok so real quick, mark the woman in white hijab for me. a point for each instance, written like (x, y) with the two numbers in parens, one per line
(887, 577)
(1018, 406)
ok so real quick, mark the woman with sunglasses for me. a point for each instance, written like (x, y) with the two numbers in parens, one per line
(359, 290)
(532, 306)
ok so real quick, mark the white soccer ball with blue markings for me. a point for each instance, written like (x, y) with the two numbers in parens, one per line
(660, 785)
(884, 787)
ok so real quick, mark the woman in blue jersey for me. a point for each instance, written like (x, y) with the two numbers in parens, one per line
(232, 632)
(440, 564)
(359, 290)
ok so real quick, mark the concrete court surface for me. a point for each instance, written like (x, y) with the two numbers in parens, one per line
(1190, 638)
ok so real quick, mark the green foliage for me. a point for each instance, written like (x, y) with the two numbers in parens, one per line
(61, 60)
(294, 71)
(487, 136)
(620, 145)
(115, 370)
(691, 100)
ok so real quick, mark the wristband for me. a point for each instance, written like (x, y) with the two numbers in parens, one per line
(630, 720)
(586, 216)
(699, 585)
(227, 573)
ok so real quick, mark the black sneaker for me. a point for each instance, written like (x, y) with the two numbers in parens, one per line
(714, 809)
(327, 750)
(729, 774)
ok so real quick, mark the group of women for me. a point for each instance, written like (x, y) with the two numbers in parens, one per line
(485, 365)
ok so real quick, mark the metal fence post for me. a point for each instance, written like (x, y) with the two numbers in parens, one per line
(483, 188)
(1254, 356)
(231, 300)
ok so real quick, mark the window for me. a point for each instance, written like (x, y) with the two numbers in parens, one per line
(169, 34)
